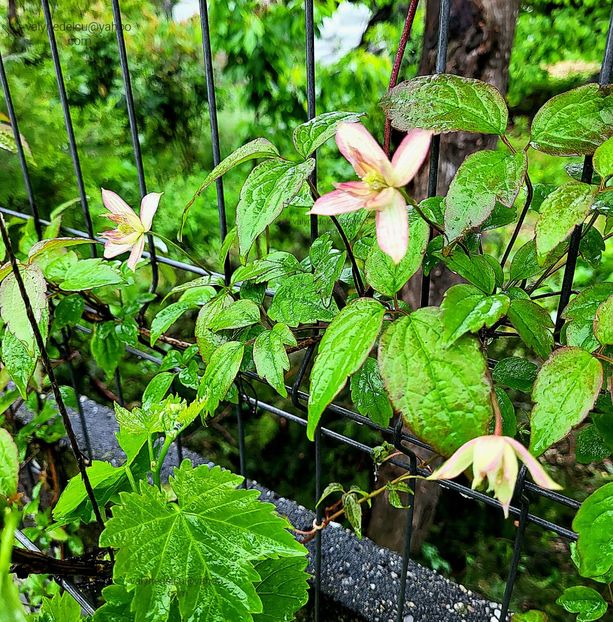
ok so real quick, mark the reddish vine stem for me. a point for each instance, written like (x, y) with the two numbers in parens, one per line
(61, 406)
(402, 46)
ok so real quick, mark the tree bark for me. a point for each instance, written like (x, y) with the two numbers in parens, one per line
(481, 36)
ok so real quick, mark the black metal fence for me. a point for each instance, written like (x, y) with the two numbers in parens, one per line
(525, 491)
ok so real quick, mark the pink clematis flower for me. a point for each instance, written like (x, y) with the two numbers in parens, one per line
(380, 180)
(131, 229)
(495, 457)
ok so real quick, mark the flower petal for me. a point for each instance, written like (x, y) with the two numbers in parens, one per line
(356, 143)
(356, 188)
(337, 202)
(135, 255)
(539, 475)
(503, 489)
(458, 463)
(120, 209)
(392, 224)
(148, 207)
(410, 155)
(112, 250)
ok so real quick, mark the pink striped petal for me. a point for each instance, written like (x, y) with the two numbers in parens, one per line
(137, 251)
(410, 155)
(356, 143)
(119, 209)
(539, 475)
(112, 250)
(356, 188)
(458, 463)
(337, 202)
(392, 224)
(148, 207)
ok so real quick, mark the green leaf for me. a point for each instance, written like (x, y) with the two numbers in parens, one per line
(574, 123)
(515, 373)
(580, 314)
(271, 360)
(68, 311)
(353, 512)
(327, 263)
(560, 212)
(220, 374)
(603, 159)
(157, 388)
(89, 274)
(210, 537)
(466, 309)
(507, 411)
(13, 309)
(603, 322)
(533, 324)
(387, 277)
(201, 281)
(296, 301)
(237, 315)
(166, 317)
(446, 103)
(116, 608)
(268, 189)
(311, 135)
(484, 178)
(442, 391)
(9, 464)
(525, 264)
(61, 608)
(594, 524)
(44, 246)
(20, 362)
(585, 601)
(258, 148)
(564, 392)
(474, 268)
(368, 393)
(106, 347)
(591, 446)
(275, 265)
(342, 351)
(282, 587)
(530, 616)
(591, 246)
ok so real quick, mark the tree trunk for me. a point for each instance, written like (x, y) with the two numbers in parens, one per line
(480, 40)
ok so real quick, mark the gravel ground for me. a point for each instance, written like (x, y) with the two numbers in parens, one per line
(360, 580)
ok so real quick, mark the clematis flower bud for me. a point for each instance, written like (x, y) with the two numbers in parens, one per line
(378, 190)
(131, 229)
(495, 458)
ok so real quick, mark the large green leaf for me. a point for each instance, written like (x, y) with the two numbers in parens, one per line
(282, 588)
(236, 315)
(580, 314)
(270, 357)
(603, 159)
(565, 390)
(594, 524)
(200, 551)
(220, 374)
(466, 309)
(166, 317)
(297, 301)
(342, 351)
(314, 133)
(476, 269)
(9, 464)
(446, 103)
(106, 347)
(533, 324)
(560, 212)
(443, 392)
(327, 263)
(388, 277)
(89, 274)
(603, 322)
(574, 123)
(586, 602)
(275, 265)
(13, 309)
(268, 189)
(368, 393)
(20, 362)
(515, 373)
(483, 179)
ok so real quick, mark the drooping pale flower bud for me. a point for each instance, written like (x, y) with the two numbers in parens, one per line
(378, 190)
(495, 458)
(129, 235)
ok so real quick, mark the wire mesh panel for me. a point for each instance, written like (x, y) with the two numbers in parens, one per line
(325, 437)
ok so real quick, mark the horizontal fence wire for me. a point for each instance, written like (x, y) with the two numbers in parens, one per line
(525, 490)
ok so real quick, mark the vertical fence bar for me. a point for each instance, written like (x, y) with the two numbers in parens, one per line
(20, 151)
(519, 540)
(72, 143)
(138, 159)
(586, 177)
(435, 148)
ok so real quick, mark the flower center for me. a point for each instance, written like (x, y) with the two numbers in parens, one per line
(375, 181)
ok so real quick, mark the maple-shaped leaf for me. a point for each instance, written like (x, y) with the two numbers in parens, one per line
(199, 551)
